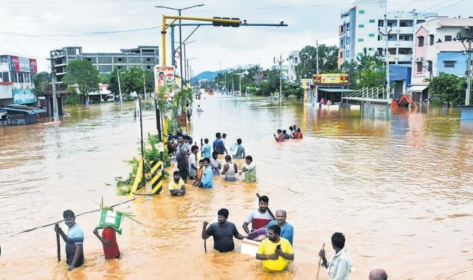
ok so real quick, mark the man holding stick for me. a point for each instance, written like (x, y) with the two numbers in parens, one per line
(260, 217)
(339, 267)
(74, 240)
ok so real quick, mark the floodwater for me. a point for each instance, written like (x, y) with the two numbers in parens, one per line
(401, 191)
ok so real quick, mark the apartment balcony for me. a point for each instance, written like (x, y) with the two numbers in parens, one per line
(404, 57)
(401, 44)
(403, 30)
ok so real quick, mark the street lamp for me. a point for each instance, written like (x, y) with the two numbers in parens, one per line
(185, 55)
(188, 71)
(180, 31)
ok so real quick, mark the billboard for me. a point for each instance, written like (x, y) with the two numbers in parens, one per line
(163, 75)
(14, 63)
(331, 78)
(33, 66)
(21, 64)
(23, 96)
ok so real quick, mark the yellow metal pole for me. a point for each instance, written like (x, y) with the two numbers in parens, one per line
(163, 39)
(165, 132)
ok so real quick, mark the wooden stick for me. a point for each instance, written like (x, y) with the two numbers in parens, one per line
(269, 210)
(58, 242)
(320, 262)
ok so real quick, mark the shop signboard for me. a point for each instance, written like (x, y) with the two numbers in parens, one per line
(24, 64)
(23, 96)
(331, 78)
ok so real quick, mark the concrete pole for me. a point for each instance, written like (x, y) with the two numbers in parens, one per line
(185, 65)
(119, 87)
(317, 44)
(144, 86)
(173, 48)
(180, 56)
(388, 89)
(468, 67)
(53, 85)
(240, 84)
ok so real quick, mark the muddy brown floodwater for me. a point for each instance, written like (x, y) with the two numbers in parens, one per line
(401, 191)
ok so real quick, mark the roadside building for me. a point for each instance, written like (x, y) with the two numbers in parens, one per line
(16, 80)
(144, 57)
(359, 29)
(292, 61)
(437, 51)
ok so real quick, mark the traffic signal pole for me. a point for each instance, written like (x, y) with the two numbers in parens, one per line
(175, 18)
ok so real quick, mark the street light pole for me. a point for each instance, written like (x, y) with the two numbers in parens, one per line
(180, 35)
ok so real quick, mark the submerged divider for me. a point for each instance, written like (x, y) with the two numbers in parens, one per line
(157, 180)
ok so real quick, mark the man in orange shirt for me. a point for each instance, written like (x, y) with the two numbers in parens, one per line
(109, 242)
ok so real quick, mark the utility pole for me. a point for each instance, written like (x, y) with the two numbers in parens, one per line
(317, 44)
(468, 67)
(119, 87)
(144, 85)
(280, 61)
(53, 55)
(386, 39)
(185, 66)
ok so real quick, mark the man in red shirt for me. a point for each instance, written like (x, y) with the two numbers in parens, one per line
(109, 242)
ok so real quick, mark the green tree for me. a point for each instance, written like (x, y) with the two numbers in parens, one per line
(83, 74)
(105, 78)
(349, 67)
(371, 71)
(328, 60)
(132, 80)
(448, 88)
(113, 84)
(41, 81)
(149, 78)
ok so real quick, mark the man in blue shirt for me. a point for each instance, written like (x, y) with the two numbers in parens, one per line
(206, 149)
(208, 177)
(74, 240)
(218, 145)
(287, 230)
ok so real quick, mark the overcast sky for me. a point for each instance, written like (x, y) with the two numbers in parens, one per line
(31, 28)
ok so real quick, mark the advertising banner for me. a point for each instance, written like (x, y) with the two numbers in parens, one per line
(33, 66)
(14, 63)
(24, 64)
(331, 78)
(23, 96)
(306, 83)
(163, 75)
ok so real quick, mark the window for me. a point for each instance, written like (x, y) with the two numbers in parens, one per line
(348, 54)
(429, 66)
(341, 54)
(449, 64)
(405, 51)
(89, 59)
(432, 39)
(380, 51)
(380, 37)
(392, 51)
(348, 40)
(361, 12)
(419, 67)
(21, 80)
(420, 21)
(405, 37)
(448, 38)
(348, 27)
(361, 26)
(295, 60)
(372, 21)
(341, 29)
(148, 67)
(392, 23)
(371, 35)
(4, 77)
(380, 23)
(119, 67)
(392, 37)
(342, 40)
(361, 40)
(119, 59)
(420, 41)
(406, 23)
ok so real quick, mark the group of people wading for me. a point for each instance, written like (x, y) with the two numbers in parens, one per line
(275, 234)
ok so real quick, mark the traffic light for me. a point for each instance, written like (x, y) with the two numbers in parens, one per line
(225, 24)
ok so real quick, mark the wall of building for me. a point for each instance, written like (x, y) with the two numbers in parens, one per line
(420, 55)
(459, 60)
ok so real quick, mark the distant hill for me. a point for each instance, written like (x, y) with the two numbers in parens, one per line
(209, 75)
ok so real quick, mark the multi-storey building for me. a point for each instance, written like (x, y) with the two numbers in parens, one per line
(292, 61)
(144, 57)
(437, 50)
(361, 26)
(16, 80)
